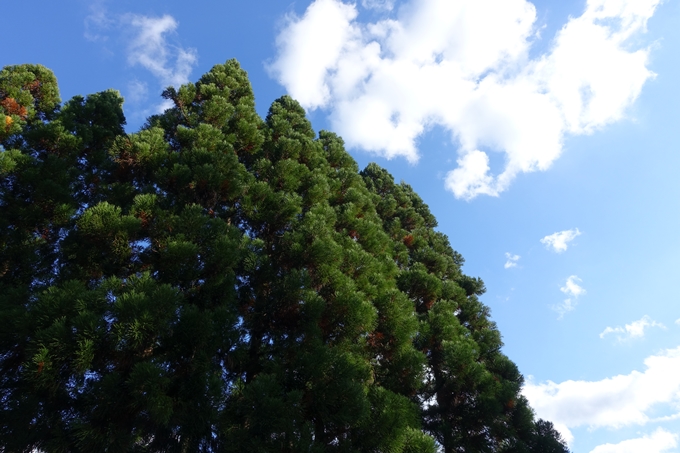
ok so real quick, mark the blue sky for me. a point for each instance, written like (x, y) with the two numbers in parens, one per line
(543, 136)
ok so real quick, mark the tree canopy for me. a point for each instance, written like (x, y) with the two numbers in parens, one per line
(217, 282)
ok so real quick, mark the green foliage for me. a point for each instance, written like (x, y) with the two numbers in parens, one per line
(28, 94)
(217, 282)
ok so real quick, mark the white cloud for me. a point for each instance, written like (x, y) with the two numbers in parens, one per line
(511, 260)
(572, 289)
(150, 49)
(636, 329)
(456, 65)
(558, 241)
(147, 46)
(310, 47)
(471, 178)
(614, 402)
(660, 441)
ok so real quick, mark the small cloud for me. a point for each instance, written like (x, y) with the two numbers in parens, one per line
(636, 329)
(97, 21)
(558, 241)
(512, 260)
(147, 46)
(565, 307)
(659, 442)
(150, 49)
(137, 91)
(572, 289)
(380, 5)
(471, 178)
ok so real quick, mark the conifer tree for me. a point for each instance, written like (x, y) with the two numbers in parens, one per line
(217, 282)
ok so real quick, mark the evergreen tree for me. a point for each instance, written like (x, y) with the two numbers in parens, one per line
(217, 282)
(470, 398)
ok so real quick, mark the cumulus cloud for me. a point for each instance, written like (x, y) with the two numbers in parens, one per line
(310, 46)
(471, 178)
(511, 260)
(659, 442)
(636, 329)
(453, 64)
(558, 241)
(572, 289)
(613, 402)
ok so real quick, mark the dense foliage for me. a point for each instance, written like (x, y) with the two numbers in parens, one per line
(220, 283)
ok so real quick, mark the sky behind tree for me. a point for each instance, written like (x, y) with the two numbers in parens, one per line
(542, 135)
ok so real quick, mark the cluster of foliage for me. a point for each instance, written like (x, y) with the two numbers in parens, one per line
(221, 283)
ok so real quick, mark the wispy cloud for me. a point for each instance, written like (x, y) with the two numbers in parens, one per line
(384, 5)
(511, 260)
(137, 91)
(453, 64)
(557, 242)
(614, 402)
(147, 45)
(149, 48)
(636, 329)
(572, 289)
(98, 21)
(658, 442)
